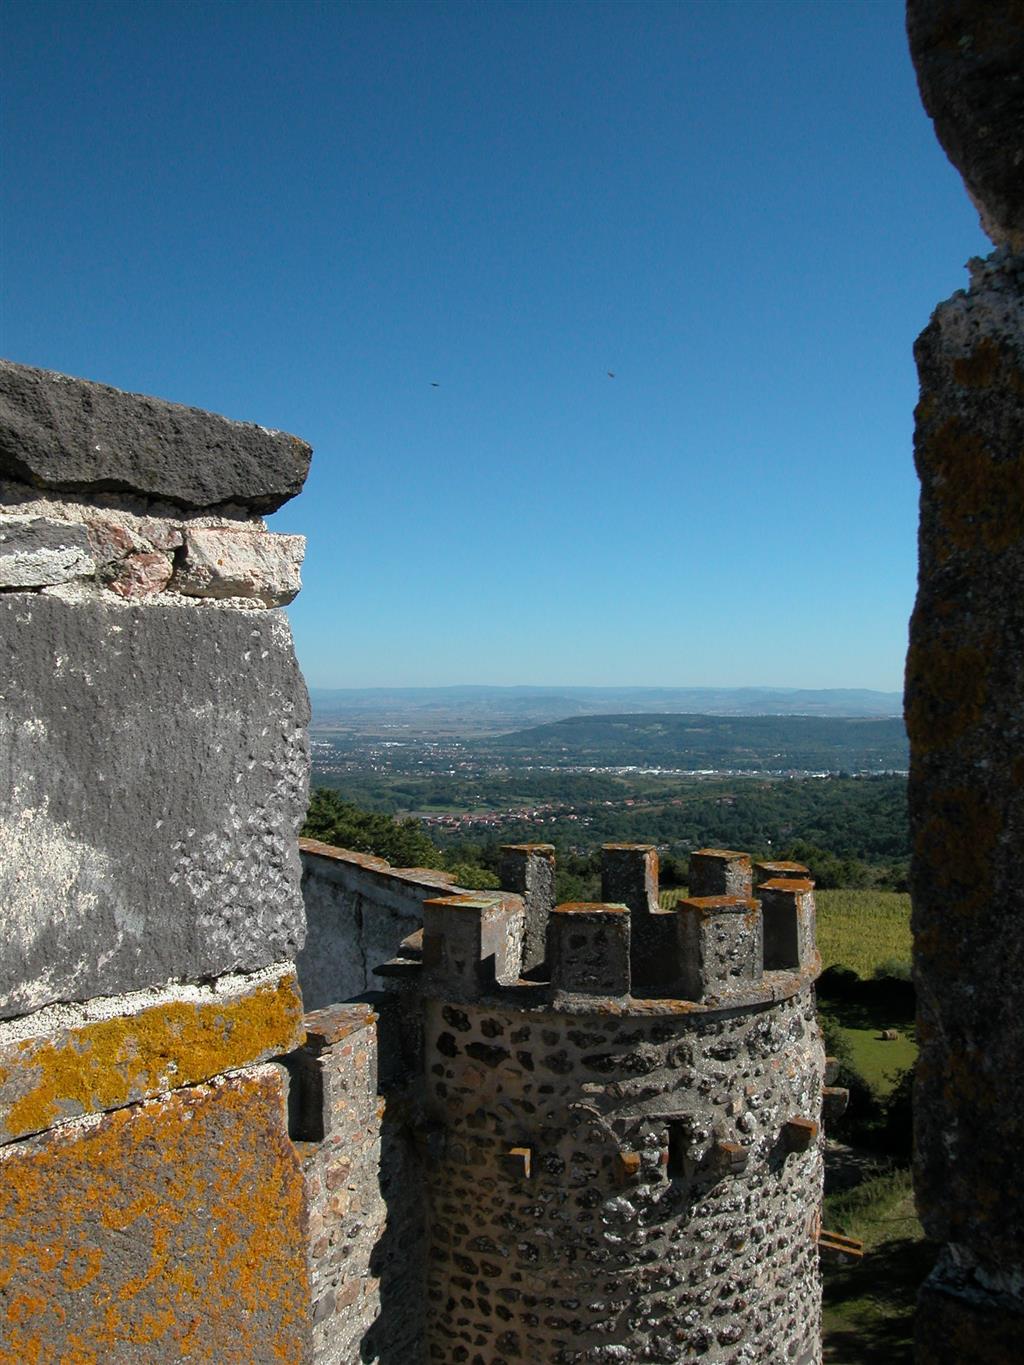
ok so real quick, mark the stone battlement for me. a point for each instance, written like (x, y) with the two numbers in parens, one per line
(713, 950)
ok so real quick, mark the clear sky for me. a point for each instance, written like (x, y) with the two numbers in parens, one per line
(306, 215)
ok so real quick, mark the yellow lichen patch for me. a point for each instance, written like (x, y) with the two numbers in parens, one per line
(106, 1063)
(979, 499)
(192, 1173)
(947, 687)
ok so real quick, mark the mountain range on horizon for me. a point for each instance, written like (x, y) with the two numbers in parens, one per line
(481, 708)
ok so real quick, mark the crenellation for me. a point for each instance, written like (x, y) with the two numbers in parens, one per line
(787, 909)
(719, 872)
(629, 876)
(588, 949)
(529, 871)
(767, 872)
(721, 948)
(472, 942)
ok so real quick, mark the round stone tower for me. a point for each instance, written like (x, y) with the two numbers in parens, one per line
(624, 1142)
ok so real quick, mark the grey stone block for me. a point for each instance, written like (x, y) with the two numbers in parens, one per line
(153, 774)
(74, 435)
(38, 552)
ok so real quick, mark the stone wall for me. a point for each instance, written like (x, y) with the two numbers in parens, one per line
(363, 1192)
(511, 1163)
(359, 910)
(153, 771)
(965, 707)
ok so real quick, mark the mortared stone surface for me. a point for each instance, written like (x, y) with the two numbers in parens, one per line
(74, 435)
(153, 776)
(166, 1231)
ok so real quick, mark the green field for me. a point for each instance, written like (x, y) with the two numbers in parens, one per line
(862, 930)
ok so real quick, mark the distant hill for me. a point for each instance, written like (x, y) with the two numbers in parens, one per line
(490, 710)
(694, 742)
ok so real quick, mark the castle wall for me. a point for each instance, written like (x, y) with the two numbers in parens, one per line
(965, 707)
(618, 1186)
(359, 909)
(153, 771)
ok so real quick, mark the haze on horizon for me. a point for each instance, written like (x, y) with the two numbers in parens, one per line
(599, 318)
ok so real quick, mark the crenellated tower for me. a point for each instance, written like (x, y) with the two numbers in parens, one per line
(623, 1153)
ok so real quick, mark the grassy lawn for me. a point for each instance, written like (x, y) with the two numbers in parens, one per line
(861, 1024)
(869, 1306)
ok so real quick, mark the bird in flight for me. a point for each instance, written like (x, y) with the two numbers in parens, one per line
(610, 374)
(434, 384)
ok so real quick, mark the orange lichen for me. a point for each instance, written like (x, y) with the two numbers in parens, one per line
(195, 1175)
(979, 499)
(110, 1062)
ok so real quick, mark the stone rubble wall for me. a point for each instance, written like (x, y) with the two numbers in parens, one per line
(363, 1194)
(505, 1168)
(153, 775)
(965, 707)
(619, 1188)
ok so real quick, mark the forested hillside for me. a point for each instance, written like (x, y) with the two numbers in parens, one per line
(737, 743)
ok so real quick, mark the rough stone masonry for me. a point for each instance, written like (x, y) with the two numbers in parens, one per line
(965, 707)
(153, 775)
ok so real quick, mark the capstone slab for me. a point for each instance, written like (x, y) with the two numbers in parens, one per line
(153, 776)
(74, 435)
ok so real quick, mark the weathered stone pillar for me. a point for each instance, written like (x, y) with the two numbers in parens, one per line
(153, 774)
(965, 708)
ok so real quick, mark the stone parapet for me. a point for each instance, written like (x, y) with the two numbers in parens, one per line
(528, 870)
(719, 872)
(362, 1192)
(153, 774)
(589, 949)
(359, 911)
(706, 953)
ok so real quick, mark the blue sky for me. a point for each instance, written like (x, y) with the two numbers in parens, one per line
(306, 214)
